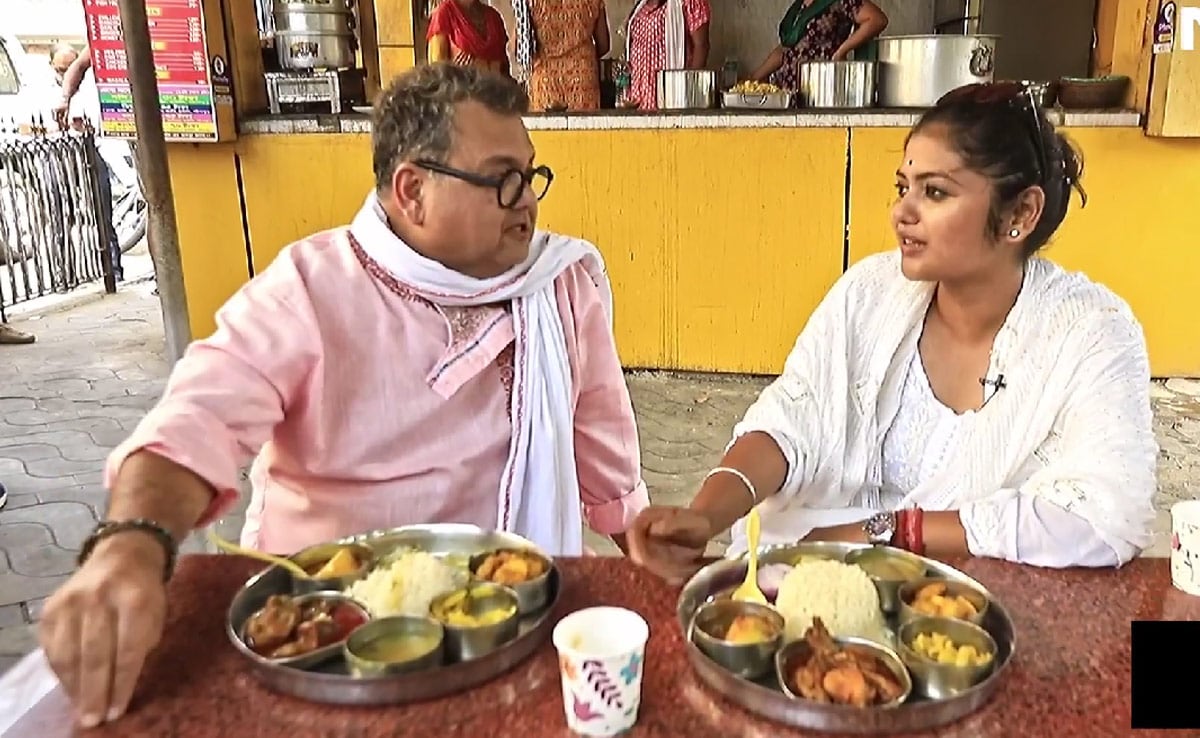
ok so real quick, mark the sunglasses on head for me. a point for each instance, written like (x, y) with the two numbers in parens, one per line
(1012, 93)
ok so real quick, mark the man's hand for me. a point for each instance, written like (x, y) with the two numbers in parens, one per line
(99, 626)
(59, 111)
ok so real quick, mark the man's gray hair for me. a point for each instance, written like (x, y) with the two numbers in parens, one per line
(414, 118)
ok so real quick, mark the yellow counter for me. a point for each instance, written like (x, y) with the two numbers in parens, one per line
(719, 239)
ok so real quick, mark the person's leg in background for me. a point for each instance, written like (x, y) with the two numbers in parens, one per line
(106, 215)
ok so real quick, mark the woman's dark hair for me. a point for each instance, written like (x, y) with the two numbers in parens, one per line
(1001, 132)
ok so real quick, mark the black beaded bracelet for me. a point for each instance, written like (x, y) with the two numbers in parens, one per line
(108, 528)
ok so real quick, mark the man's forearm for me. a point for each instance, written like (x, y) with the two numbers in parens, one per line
(151, 486)
(73, 77)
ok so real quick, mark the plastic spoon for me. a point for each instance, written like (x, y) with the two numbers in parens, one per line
(232, 548)
(748, 591)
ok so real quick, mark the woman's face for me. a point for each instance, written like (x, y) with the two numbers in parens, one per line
(941, 215)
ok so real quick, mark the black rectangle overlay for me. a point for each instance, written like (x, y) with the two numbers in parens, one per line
(1164, 674)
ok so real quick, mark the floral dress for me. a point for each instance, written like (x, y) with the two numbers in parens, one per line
(648, 46)
(824, 35)
(566, 70)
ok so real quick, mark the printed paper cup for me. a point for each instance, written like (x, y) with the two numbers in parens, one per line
(600, 655)
(1185, 546)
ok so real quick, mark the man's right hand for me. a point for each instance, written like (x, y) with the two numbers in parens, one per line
(99, 626)
(670, 541)
(59, 111)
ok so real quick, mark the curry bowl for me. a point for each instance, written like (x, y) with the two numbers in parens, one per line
(394, 645)
(477, 619)
(523, 570)
(888, 568)
(938, 597)
(797, 655)
(946, 656)
(302, 631)
(740, 636)
(332, 566)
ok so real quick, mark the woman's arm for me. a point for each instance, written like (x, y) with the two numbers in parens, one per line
(439, 48)
(697, 48)
(769, 66)
(600, 34)
(696, 17)
(869, 21)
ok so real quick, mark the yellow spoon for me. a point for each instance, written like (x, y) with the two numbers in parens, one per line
(232, 548)
(748, 591)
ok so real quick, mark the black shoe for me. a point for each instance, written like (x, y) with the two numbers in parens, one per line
(3, 496)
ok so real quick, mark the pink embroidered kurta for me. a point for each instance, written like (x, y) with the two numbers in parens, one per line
(370, 407)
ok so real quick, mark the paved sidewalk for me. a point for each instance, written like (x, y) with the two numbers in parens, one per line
(96, 368)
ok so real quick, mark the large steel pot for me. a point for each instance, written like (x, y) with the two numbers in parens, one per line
(836, 84)
(314, 34)
(914, 71)
(298, 50)
(687, 89)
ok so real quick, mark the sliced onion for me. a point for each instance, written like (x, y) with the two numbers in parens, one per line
(770, 577)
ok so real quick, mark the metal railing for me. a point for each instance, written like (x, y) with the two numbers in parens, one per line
(51, 239)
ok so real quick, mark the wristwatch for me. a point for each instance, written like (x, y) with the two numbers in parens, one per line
(880, 528)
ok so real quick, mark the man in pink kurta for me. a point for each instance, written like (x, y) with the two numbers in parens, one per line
(438, 360)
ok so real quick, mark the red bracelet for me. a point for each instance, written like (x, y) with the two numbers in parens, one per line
(914, 532)
(900, 536)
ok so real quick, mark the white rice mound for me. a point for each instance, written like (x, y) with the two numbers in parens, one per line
(406, 585)
(843, 596)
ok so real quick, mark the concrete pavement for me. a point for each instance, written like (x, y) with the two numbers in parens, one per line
(66, 400)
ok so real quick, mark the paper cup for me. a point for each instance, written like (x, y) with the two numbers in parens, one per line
(601, 651)
(1185, 546)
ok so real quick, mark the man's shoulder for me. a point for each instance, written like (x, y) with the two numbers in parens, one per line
(324, 259)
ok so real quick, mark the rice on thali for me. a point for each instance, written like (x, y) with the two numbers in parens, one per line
(841, 595)
(406, 583)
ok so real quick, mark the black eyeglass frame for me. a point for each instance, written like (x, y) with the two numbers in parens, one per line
(497, 182)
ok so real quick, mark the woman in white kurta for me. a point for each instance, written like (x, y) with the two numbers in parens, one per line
(957, 395)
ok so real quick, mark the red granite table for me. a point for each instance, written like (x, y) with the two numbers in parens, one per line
(1070, 676)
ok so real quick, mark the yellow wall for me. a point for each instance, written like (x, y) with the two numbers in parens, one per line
(717, 258)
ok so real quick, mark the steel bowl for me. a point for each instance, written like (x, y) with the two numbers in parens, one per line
(532, 595)
(318, 656)
(747, 660)
(795, 553)
(362, 666)
(796, 653)
(914, 566)
(464, 642)
(312, 558)
(936, 680)
(907, 592)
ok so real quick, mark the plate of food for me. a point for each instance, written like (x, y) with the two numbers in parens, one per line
(396, 616)
(853, 638)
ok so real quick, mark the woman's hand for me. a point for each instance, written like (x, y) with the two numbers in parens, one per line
(841, 54)
(99, 626)
(670, 541)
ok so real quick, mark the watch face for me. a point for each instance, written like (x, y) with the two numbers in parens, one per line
(880, 527)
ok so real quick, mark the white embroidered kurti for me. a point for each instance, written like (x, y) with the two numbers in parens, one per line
(922, 441)
(1068, 442)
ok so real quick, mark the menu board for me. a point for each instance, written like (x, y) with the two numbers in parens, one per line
(185, 88)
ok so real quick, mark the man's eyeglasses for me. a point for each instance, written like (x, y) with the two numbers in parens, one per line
(508, 186)
(1013, 93)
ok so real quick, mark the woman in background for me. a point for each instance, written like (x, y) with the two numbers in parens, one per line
(468, 33)
(664, 34)
(819, 30)
(564, 42)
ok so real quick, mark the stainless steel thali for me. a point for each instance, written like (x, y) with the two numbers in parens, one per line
(332, 684)
(765, 697)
